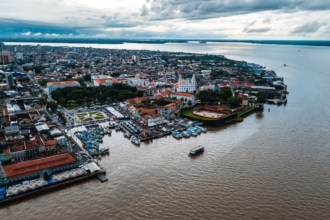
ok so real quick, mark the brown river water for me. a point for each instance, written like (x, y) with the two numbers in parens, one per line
(273, 165)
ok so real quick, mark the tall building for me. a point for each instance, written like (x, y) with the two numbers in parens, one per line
(135, 58)
(2, 46)
(10, 80)
(19, 55)
(5, 57)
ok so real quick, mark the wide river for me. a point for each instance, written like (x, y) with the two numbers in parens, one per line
(274, 165)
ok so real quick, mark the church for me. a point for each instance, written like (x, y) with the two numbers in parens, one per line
(186, 85)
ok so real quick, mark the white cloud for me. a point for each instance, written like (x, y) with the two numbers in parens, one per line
(244, 19)
(27, 33)
(52, 35)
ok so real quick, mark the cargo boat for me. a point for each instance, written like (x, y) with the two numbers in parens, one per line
(197, 150)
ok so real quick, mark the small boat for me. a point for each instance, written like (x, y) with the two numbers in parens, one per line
(202, 129)
(197, 150)
(185, 134)
(192, 132)
(112, 125)
(135, 140)
(284, 64)
(198, 123)
(127, 134)
(176, 134)
(104, 151)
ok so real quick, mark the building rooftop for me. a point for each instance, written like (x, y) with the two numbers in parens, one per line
(182, 94)
(66, 83)
(50, 143)
(34, 166)
(13, 128)
(42, 127)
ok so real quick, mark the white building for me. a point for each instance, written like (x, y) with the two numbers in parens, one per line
(135, 58)
(186, 97)
(187, 85)
(10, 109)
(103, 80)
(19, 55)
(137, 82)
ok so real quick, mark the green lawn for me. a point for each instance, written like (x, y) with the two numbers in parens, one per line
(71, 107)
(88, 119)
(94, 115)
(97, 118)
(189, 113)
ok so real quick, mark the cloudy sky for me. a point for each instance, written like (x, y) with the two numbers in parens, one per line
(179, 19)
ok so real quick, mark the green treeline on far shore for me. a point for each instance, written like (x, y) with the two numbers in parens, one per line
(88, 96)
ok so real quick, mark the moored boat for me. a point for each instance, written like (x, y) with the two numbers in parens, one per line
(135, 140)
(117, 128)
(176, 134)
(127, 134)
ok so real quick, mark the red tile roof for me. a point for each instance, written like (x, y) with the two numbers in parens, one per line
(169, 105)
(50, 142)
(34, 166)
(103, 81)
(67, 83)
(182, 94)
(243, 97)
(137, 100)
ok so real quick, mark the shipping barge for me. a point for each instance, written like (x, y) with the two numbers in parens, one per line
(197, 150)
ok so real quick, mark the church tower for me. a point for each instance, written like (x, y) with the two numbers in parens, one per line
(193, 80)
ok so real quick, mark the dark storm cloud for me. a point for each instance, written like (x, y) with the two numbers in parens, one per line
(202, 9)
(13, 26)
(307, 28)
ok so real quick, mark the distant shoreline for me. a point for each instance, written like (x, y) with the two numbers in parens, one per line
(153, 41)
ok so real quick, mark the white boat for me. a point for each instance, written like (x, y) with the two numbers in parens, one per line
(135, 140)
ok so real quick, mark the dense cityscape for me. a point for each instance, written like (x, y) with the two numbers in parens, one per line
(58, 103)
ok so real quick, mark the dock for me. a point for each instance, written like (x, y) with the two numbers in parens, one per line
(102, 175)
(45, 189)
(102, 178)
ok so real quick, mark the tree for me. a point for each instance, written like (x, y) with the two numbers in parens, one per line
(52, 105)
(43, 83)
(227, 91)
(261, 98)
(88, 78)
(234, 102)
(62, 101)
(38, 69)
(115, 74)
(82, 82)
(80, 102)
(223, 96)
